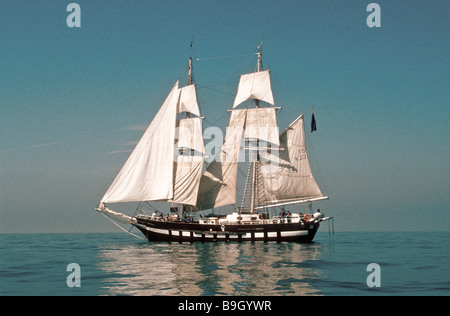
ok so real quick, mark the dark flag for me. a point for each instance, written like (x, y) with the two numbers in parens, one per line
(313, 123)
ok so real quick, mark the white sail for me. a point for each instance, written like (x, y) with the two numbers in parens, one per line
(188, 165)
(187, 174)
(188, 100)
(218, 183)
(261, 124)
(255, 85)
(148, 173)
(288, 179)
(190, 134)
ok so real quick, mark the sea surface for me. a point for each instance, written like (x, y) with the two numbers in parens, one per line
(410, 263)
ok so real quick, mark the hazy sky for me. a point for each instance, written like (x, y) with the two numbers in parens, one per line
(74, 101)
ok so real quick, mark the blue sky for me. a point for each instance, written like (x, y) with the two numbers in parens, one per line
(74, 100)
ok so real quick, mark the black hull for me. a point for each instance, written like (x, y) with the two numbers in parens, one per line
(157, 231)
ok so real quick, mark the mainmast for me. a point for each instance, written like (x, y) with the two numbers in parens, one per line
(255, 125)
(254, 154)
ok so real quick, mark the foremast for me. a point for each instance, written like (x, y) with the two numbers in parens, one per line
(175, 152)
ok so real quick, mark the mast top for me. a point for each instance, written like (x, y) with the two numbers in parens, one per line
(259, 64)
(190, 71)
(190, 80)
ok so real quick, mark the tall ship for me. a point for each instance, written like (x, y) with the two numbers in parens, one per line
(168, 165)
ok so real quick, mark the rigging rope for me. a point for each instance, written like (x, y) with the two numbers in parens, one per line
(122, 227)
(222, 57)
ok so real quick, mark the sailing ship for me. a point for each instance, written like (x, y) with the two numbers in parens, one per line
(168, 165)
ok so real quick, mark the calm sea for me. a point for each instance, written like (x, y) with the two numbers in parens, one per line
(118, 264)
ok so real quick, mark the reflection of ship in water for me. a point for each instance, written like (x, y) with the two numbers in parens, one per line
(205, 269)
(142, 270)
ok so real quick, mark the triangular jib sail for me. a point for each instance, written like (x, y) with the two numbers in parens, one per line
(148, 173)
